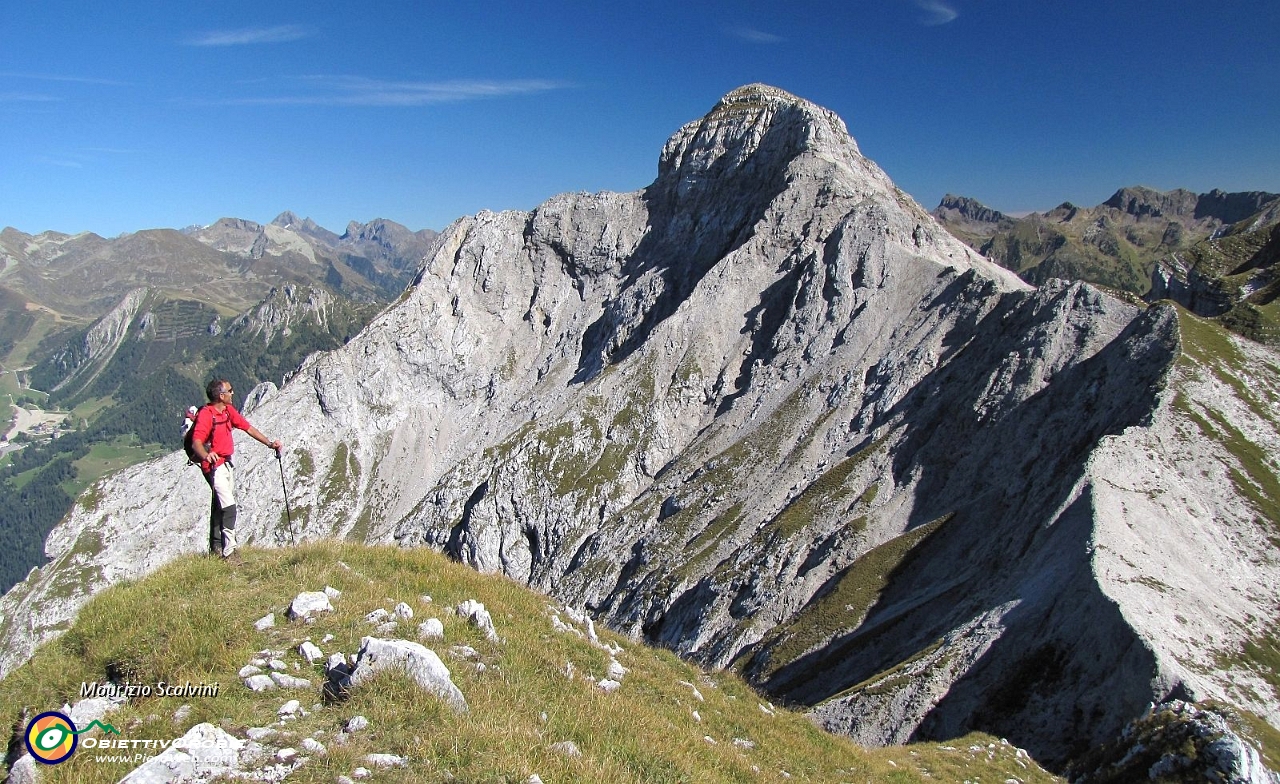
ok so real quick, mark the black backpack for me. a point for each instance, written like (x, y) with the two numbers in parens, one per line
(188, 431)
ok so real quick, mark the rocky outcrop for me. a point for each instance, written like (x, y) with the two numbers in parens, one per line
(1230, 276)
(964, 210)
(768, 413)
(1176, 741)
(282, 310)
(78, 362)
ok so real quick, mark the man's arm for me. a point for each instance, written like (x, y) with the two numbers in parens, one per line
(258, 436)
(238, 420)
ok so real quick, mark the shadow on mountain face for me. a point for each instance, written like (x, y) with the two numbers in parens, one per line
(1016, 552)
(698, 213)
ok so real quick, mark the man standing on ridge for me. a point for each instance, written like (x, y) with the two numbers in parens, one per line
(212, 441)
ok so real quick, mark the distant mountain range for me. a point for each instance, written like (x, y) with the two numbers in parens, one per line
(231, 264)
(123, 333)
(1212, 252)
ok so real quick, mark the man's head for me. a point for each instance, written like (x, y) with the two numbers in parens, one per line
(216, 389)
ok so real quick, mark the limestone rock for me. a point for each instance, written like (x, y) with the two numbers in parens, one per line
(385, 761)
(259, 683)
(309, 651)
(431, 629)
(203, 753)
(25, 770)
(479, 617)
(290, 681)
(308, 603)
(420, 663)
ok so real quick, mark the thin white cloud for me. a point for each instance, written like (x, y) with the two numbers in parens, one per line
(935, 12)
(754, 36)
(27, 98)
(82, 157)
(363, 91)
(250, 35)
(62, 163)
(58, 78)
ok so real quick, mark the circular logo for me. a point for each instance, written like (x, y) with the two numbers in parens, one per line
(51, 737)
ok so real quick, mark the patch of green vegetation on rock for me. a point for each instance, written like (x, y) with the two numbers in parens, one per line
(1252, 476)
(844, 603)
(306, 465)
(895, 677)
(342, 479)
(88, 544)
(1260, 655)
(704, 543)
(360, 531)
(826, 494)
(91, 499)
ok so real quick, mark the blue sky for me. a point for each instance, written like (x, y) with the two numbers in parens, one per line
(116, 117)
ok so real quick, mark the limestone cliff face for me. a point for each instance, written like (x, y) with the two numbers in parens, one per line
(769, 413)
(79, 361)
(283, 308)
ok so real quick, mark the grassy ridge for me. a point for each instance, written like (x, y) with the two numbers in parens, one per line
(193, 620)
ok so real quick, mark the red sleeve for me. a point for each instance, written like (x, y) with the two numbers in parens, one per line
(237, 420)
(203, 428)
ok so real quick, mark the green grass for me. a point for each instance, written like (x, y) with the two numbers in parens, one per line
(1207, 348)
(844, 605)
(826, 492)
(1260, 655)
(193, 620)
(108, 456)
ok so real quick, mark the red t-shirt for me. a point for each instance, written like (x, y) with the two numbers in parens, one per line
(213, 429)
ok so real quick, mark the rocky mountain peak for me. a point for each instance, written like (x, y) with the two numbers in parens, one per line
(753, 130)
(964, 208)
(378, 231)
(236, 224)
(1142, 202)
(288, 218)
(1233, 207)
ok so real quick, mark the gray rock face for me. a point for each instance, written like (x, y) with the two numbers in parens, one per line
(282, 309)
(80, 362)
(767, 411)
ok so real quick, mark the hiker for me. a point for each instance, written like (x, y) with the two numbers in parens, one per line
(213, 444)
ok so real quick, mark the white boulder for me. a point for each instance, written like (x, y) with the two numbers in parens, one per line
(420, 663)
(308, 603)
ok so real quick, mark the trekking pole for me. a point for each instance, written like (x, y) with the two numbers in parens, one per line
(288, 513)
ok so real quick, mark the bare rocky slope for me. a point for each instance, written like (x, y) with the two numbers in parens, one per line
(769, 413)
